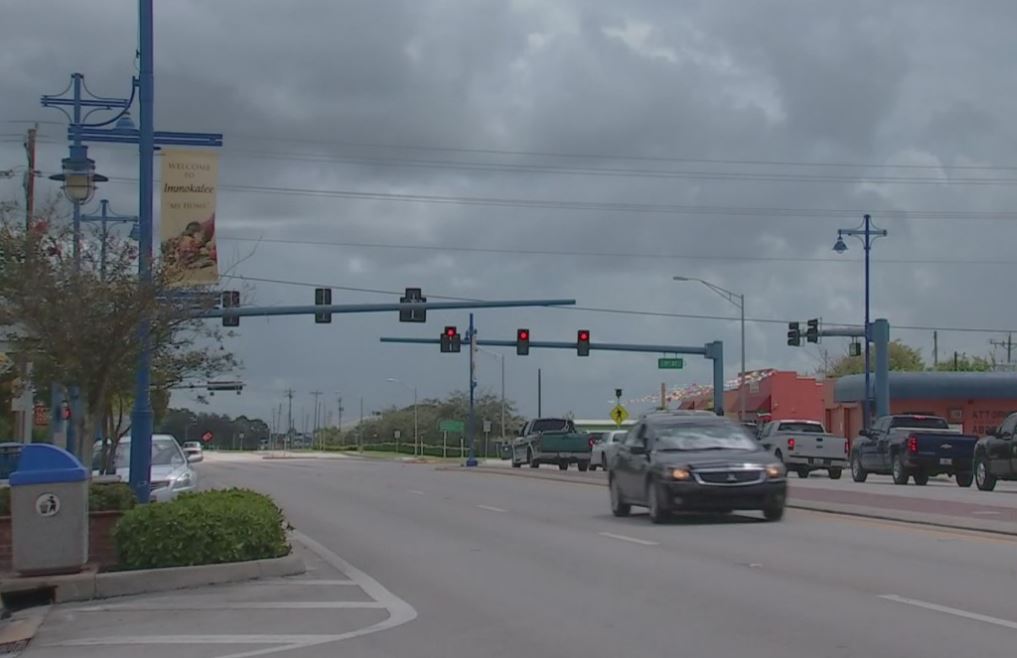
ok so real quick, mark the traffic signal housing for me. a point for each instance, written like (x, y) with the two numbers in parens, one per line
(812, 332)
(522, 341)
(794, 334)
(230, 299)
(450, 340)
(323, 297)
(583, 342)
(413, 296)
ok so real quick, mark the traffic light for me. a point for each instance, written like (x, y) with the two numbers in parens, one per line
(323, 297)
(230, 299)
(855, 349)
(450, 340)
(413, 295)
(522, 341)
(583, 342)
(794, 334)
(812, 333)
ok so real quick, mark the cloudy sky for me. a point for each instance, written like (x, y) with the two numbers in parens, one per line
(380, 144)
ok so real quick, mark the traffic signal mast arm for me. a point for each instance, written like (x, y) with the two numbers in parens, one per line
(265, 311)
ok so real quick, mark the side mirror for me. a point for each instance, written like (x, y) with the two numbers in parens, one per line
(866, 433)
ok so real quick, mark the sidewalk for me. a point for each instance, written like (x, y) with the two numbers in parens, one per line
(332, 602)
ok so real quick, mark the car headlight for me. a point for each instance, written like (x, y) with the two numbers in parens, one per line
(182, 482)
(775, 471)
(681, 474)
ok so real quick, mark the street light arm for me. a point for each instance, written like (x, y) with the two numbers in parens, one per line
(731, 296)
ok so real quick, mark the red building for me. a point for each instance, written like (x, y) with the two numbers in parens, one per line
(769, 395)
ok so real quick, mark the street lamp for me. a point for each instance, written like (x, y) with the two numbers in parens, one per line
(416, 436)
(866, 234)
(78, 175)
(739, 301)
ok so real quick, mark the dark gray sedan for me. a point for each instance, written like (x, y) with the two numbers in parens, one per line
(672, 462)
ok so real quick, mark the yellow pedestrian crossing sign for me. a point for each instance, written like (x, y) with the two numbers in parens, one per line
(619, 415)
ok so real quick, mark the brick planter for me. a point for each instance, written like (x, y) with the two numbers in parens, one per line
(101, 551)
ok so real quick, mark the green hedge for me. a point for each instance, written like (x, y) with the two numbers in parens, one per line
(210, 527)
(104, 497)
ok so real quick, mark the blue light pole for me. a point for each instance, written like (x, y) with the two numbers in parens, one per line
(105, 218)
(867, 234)
(472, 420)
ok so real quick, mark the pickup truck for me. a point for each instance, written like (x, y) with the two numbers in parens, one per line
(911, 445)
(996, 455)
(805, 446)
(551, 441)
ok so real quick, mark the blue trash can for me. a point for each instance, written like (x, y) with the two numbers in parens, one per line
(49, 511)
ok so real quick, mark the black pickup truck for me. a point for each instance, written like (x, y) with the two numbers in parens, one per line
(913, 446)
(996, 455)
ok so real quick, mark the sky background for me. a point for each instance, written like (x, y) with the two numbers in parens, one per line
(383, 144)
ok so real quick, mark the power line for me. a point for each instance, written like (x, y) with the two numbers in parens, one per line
(618, 311)
(633, 207)
(609, 254)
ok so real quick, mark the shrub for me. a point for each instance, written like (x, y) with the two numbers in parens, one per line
(210, 527)
(111, 497)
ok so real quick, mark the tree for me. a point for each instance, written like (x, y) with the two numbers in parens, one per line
(79, 322)
(902, 357)
(961, 362)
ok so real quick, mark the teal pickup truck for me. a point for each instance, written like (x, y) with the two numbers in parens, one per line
(552, 441)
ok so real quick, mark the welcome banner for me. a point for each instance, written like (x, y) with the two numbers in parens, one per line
(187, 215)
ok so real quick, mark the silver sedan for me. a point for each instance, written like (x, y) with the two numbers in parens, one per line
(603, 446)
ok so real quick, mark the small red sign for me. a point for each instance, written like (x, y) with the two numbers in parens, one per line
(207, 437)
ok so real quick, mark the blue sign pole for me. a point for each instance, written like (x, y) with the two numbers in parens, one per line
(141, 415)
(472, 428)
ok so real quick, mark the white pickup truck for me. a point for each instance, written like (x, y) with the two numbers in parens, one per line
(805, 446)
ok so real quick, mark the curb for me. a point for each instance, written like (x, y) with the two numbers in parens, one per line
(91, 585)
(914, 518)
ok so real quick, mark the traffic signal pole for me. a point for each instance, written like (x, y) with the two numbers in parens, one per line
(713, 351)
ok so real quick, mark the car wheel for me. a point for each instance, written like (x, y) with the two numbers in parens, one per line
(858, 473)
(584, 466)
(563, 466)
(530, 460)
(802, 472)
(516, 464)
(985, 480)
(618, 505)
(921, 478)
(774, 513)
(658, 513)
(835, 473)
(900, 474)
(965, 479)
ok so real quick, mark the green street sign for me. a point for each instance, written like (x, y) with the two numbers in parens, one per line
(454, 426)
(670, 364)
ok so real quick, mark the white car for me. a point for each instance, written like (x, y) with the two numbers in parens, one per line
(194, 451)
(604, 443)
(171, 469)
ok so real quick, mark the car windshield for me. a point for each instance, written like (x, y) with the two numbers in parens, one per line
(702, 436)
(920, 422)
(814, 428)
(165, 452)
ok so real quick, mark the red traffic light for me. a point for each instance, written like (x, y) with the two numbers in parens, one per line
(523, 334)
(450, 332)
(584, 335)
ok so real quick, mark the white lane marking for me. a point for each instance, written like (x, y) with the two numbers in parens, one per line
(985, 512)
(301, 582)
(243, 605)
(400, 612)
(492, 509)
(416, 492)
(644, 542)
(950, 611)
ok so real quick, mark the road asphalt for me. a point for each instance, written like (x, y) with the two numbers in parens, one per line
(506, 566)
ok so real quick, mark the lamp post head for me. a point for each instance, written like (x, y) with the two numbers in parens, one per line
(78, 176)
(681, 278)
(839, 246)
(125, 122)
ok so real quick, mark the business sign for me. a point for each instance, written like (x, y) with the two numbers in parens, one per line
(187, 215)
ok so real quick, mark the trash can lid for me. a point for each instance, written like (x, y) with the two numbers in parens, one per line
(42, 463)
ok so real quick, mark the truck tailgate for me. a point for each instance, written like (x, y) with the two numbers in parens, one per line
(564, 442)
(954, 446)
(818, 445)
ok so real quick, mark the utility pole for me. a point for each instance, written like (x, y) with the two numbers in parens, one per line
(30, 176)
(935, 349)
(314, 434)
(1008, 344)
(502, 396)
(540, 397)
(360, 427)
(24, 418)
(289, 414)
(339, 418)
